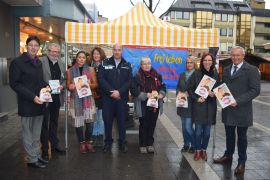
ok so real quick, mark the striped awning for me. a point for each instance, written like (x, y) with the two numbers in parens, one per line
(140, 27)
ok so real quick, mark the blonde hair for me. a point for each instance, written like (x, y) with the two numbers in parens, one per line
(145, 58)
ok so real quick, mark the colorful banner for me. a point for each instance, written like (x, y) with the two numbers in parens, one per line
(169, 62)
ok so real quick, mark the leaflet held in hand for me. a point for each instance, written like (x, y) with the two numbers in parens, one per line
(224, 95)
(45, 95)
(82, 86)
(181, 100)
(55, 86)
(205, 85)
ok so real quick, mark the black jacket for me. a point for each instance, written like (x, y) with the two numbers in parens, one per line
(112, 78)
(26, 79)
(202, 113)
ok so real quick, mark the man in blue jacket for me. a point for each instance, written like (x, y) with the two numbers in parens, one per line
(114, 78)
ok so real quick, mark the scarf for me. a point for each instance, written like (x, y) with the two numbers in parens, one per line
(83, 105)
(208, 73)
(34, 60)
(154, 83)
(189, 73)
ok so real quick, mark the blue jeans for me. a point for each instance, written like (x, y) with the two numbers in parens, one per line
(241, 142)
(188, 132)
(202, 136)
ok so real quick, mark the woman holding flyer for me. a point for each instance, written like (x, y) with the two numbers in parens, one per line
(149, 90)
(97, 55)
(82, 107)
(185, 111)
(204, 108)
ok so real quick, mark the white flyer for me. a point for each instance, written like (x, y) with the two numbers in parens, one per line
(224, 95)
(205, 85)
(45, 95)
(82, 86)
(152, 102)
(182, 101)
(55, 86)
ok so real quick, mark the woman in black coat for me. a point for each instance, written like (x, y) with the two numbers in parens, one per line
(185, 112)
(147, 84)
(203, 110)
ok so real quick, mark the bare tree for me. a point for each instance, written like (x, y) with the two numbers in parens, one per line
(150, 4)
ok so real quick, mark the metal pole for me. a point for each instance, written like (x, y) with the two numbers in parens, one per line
(66, 104)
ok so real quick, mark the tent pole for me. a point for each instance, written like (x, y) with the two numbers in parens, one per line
(66, 97)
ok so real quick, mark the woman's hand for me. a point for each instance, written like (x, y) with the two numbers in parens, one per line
(71, 87)
(211, 94)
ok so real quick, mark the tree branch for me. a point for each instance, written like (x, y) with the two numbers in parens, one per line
(131, 2)
(167, 9)
(156, 6)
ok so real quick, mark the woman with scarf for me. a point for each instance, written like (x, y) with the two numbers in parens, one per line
(203, 110)
(147, 84)
(82, 109)
(185, 112)
(97, 55)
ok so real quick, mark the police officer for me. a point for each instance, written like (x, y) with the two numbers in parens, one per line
(114, 79)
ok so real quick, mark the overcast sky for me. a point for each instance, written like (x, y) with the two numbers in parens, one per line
(112, 9)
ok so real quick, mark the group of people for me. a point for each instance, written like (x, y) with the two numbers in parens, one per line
(243, 80)
(111, 81)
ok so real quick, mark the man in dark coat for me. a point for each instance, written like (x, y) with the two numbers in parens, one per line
(243, 80)
(26, 79)
(114, 77)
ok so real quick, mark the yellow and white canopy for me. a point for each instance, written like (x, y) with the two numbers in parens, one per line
(140, 27)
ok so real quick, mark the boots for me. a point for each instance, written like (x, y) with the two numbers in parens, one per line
(89, 147)
(83, 149)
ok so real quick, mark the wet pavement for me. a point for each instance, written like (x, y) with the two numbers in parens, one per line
(167, 162)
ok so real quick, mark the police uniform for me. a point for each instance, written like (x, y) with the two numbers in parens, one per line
(114, 77)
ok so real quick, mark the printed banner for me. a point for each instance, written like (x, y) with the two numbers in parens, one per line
(169, 62)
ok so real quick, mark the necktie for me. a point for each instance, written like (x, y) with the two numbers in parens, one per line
(235, 69)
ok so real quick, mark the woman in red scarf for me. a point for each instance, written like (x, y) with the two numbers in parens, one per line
(147, 86)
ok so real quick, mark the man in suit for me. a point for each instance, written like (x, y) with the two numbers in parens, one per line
(53, 69)
(243, 80)
(114, 79)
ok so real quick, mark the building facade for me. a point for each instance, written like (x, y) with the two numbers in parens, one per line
(239, 23)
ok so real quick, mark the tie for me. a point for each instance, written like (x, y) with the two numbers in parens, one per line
(235, 69)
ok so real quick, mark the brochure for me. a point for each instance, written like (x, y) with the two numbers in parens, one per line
(182, 101)
(45, 95)
(82, 86)
(55, 86)
(224, 95)
(206, 84)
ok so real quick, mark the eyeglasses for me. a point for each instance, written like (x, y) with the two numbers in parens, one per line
(189, 62)
(54, 51)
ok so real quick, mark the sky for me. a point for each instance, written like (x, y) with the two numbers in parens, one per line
(113, 9)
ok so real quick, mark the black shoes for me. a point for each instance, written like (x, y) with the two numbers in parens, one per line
(43, 161)
(107, 148)
(59, 150)
(37, 164)
(185, 149)
(123, 147)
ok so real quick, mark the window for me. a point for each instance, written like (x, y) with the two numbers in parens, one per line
(172, 14)
(230, 32)
(266, 37)
(203, 19)
(223, 32)
(267, 25)
(224, 17)
(223, 47)
(218, 17)
(230, 17)
(185, 15)
(179, 15)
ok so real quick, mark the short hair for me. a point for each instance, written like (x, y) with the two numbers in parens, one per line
(143, 58)
(32, 38)
(213, 60)
(101, 52)
(238, 47)
(53, 45)
(117, 45)
(80, 52)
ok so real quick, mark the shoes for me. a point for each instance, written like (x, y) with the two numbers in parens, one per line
(185, 149)
(197, 155)
(191, 150)
(100, 140)
(59, 150)
(83, 149)
(45, 155)
(204, 155)
(89, 147)
(150, 149)
(240, 169)
(143, 150)
(123, 147)
(36, 165)
(107, 148)
(223, 160)
(43, 161)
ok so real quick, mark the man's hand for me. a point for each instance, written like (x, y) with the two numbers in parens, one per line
(115, 94)
(234, 104)
(71, 87)
(37, 100)
(201, 100)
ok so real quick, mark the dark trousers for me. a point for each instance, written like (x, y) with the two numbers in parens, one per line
(87, 133)
(49, 128)
(147, 127)
(114, 108)
(241, 142)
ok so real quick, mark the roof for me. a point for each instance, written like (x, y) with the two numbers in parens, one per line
(140, 27)
(261, 12)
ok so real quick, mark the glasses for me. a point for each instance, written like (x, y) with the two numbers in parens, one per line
(189, 62)
(54, 51)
